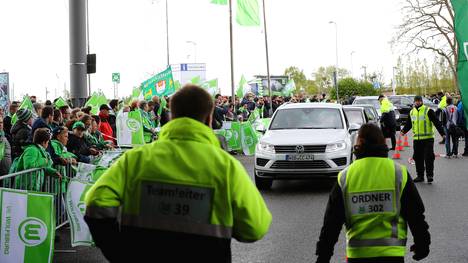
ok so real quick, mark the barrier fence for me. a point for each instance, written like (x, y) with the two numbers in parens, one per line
(36, 180)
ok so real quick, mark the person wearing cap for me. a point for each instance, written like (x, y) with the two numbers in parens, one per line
(421, 120)
(376, 200)
(388, 120)
(105, 127)
(21, 131)
(58, 151)
(35, 155)
(77, 143)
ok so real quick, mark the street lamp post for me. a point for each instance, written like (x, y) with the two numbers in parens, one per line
(335, 77)
(394, 81)
(195, 48)
(352, 67)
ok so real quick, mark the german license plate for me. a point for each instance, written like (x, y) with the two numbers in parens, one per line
(301, 157)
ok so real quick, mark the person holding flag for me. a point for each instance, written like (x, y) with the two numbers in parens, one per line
(21, 131)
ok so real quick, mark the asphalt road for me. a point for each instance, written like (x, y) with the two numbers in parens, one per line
(298, 207)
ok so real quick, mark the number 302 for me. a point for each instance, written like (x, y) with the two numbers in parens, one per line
(181, 210)
(375, 208)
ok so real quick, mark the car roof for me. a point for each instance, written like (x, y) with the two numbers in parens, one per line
(363, 105)
(353, 107)
(310, 105)
(367, 97)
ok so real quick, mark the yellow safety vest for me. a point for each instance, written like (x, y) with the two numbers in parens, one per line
(372, 189)
(422, 126)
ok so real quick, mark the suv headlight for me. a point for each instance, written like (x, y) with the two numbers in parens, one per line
(265, 147)
(333, 147)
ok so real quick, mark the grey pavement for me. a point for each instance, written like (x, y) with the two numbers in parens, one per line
(298, 208)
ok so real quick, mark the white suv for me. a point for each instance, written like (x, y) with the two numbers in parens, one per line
(304, 140)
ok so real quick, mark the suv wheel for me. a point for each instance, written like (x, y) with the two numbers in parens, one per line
(262, 183)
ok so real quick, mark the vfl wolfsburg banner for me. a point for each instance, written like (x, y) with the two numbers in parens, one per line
(249, 138)
(161, 84)
(130, 129)
(76, 208)
(461, 32)
(27, 226)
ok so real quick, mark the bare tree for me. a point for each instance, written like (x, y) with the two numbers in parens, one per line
(429, 25)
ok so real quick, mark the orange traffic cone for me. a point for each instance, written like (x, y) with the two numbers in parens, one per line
(397, 154)
(406, 143)
(399, 146)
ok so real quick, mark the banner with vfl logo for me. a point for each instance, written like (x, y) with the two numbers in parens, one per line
(130, 129)
(249, 138)
(27, 226)
(161, 84)
(76, 208)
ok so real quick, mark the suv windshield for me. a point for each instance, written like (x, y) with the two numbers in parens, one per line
(373, 102)
(354, 116)
(307, 118)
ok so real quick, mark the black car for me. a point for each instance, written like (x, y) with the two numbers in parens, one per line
(404, 105)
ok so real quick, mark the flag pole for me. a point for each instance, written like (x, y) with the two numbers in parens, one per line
(267, 56)
(167, 34)
(232, 58)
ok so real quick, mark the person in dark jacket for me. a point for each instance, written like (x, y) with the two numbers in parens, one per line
(166, 113)
(77, 144)
(5, 152)
(21, 132)
(371, 144)
(388, 120)
(7, 120)
(46, 119)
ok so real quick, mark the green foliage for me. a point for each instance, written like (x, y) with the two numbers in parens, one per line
(348, 87)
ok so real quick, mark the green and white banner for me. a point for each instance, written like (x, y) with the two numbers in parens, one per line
(108, 158)
(96, 100)
(249, 138)
(461, 32)
(130, 129)
(27, 226)
(161, 84)
(76, 208)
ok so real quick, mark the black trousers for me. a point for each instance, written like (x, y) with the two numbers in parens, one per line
(424, 157)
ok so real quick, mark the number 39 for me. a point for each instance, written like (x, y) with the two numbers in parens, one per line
(375, 208)
(181, 209)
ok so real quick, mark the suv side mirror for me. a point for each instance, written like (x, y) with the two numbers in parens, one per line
(353, 127)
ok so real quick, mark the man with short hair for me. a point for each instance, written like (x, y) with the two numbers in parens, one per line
(182, 195)
(421, 120)
(47, 117)
(449, 121)
(7, 120)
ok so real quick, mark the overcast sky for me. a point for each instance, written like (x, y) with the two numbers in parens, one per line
(129, 37)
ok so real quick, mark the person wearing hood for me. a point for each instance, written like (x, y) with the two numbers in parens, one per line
(35, 155)
(21, 131)
(376, 200)
(421, 120)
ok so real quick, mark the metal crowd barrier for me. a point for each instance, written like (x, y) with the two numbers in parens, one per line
(36, 180)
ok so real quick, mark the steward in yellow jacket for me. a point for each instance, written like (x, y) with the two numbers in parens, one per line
(181, 198)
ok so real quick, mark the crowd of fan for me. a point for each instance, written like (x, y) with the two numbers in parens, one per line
(47, 136)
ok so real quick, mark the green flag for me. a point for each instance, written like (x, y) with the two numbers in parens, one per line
(161, 84)
(60, 102)
(196, 80)
(177, 85)
(461, 32)
(136, 92)
(233, 136)
(289, 88)
(96, 100)
(219, 2)
(249, 138)
(211, 87)
(248, 13)
(26, 104)
(242, 89)
(28, 226)
(162, 105)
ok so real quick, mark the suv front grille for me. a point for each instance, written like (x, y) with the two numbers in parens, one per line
(262, 162)
(317, 164)
(340, 161)
(307, 148)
